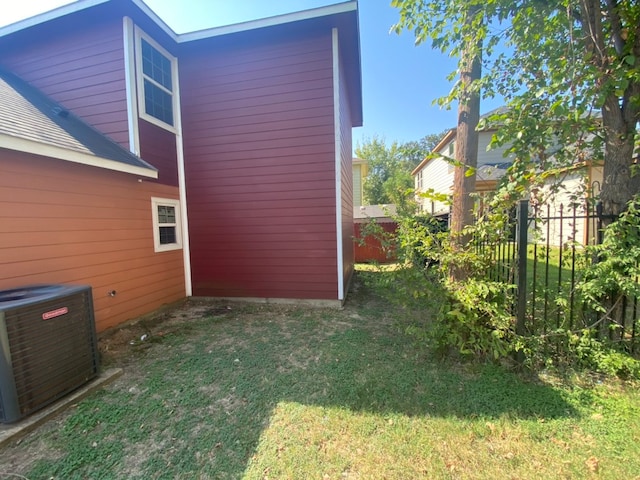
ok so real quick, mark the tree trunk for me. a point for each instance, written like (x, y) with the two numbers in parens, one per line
(466, 146)
(619, 184)
(620, 112)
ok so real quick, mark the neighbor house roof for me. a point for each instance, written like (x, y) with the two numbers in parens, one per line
(374, 211)
(492, 171)
(32, 122)
(451, 134)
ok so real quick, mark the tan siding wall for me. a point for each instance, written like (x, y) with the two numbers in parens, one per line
(436, 176)
(561, 194)
(82, 68)
(67, 223)
(357, 185)
(495, 155)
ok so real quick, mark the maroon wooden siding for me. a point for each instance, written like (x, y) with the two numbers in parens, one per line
(368, 248)
(260, 166)
(158, 147)
(69, 223)
(82, 68)
(346, 160)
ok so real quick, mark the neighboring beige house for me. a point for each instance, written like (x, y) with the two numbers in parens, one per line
(435, 174)
(572, 186)
(360, 169)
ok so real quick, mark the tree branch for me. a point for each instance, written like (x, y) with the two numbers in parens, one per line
(592, 23)
(616, 27)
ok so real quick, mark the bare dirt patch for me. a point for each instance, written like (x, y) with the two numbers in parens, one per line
(121, 344)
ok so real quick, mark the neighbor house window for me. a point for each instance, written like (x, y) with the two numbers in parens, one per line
(166, 224)
(451, 151)
(156, 75)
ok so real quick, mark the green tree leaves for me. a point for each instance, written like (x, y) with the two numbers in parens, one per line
(389, 177)
(559, 65)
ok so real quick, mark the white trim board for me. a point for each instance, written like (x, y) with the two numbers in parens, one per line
(338, 159)
(182, 185)
(130, 79)
(337, 8)
(349, 6)
(171, 202)
(42, 149)
(50, 15)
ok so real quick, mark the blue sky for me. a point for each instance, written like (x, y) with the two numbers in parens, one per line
(400, 80)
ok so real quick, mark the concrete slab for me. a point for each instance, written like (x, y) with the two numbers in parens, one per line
(12, 432)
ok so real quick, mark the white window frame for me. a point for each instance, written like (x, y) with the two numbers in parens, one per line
(166, 202)
(141, 77)
(451, 150)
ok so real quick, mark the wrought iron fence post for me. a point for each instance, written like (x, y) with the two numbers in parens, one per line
(522, 241)
(600, 234)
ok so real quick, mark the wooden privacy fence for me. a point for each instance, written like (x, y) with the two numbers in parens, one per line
(544, 257)
(368, 248)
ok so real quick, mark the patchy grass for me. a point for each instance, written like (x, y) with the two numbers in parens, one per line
(275, 392)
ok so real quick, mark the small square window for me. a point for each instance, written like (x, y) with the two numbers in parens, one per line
(166, 224)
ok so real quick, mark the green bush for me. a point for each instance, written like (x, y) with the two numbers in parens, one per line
(474, 316)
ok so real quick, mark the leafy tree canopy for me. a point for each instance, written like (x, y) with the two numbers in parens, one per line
(389, 177)
(568, 69)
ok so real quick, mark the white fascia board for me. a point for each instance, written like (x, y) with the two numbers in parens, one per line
(130, 79)
(156, 19)
(350, 6)
(50, 15)
(338, 160)
(345, 7)
(44, 150)
(78, 6)
(182, 186)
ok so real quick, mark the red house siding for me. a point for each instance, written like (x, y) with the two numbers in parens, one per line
(69, 223)
(83, 70)
(260, 166)
(158, 147)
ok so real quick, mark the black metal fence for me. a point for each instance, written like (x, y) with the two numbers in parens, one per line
(543, 255)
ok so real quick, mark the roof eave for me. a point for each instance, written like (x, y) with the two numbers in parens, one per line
(328, 10)
(50, 15)
(445, 140)
(24, 145)
(79, 6)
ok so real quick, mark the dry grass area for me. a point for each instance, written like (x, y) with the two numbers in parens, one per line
(219, 390)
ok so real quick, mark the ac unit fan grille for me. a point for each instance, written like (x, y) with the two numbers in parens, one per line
(51, 357)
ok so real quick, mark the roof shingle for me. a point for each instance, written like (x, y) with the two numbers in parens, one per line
(28, 114)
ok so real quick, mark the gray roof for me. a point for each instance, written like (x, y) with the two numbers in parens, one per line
(29, 115)
(492, 171)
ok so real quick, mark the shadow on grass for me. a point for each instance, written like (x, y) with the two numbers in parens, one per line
(202, 404)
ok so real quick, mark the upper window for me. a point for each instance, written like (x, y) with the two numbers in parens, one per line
(156, 74)
(166, 224)
(451, 150)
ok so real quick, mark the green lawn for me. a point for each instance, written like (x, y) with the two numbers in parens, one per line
(273, 392)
